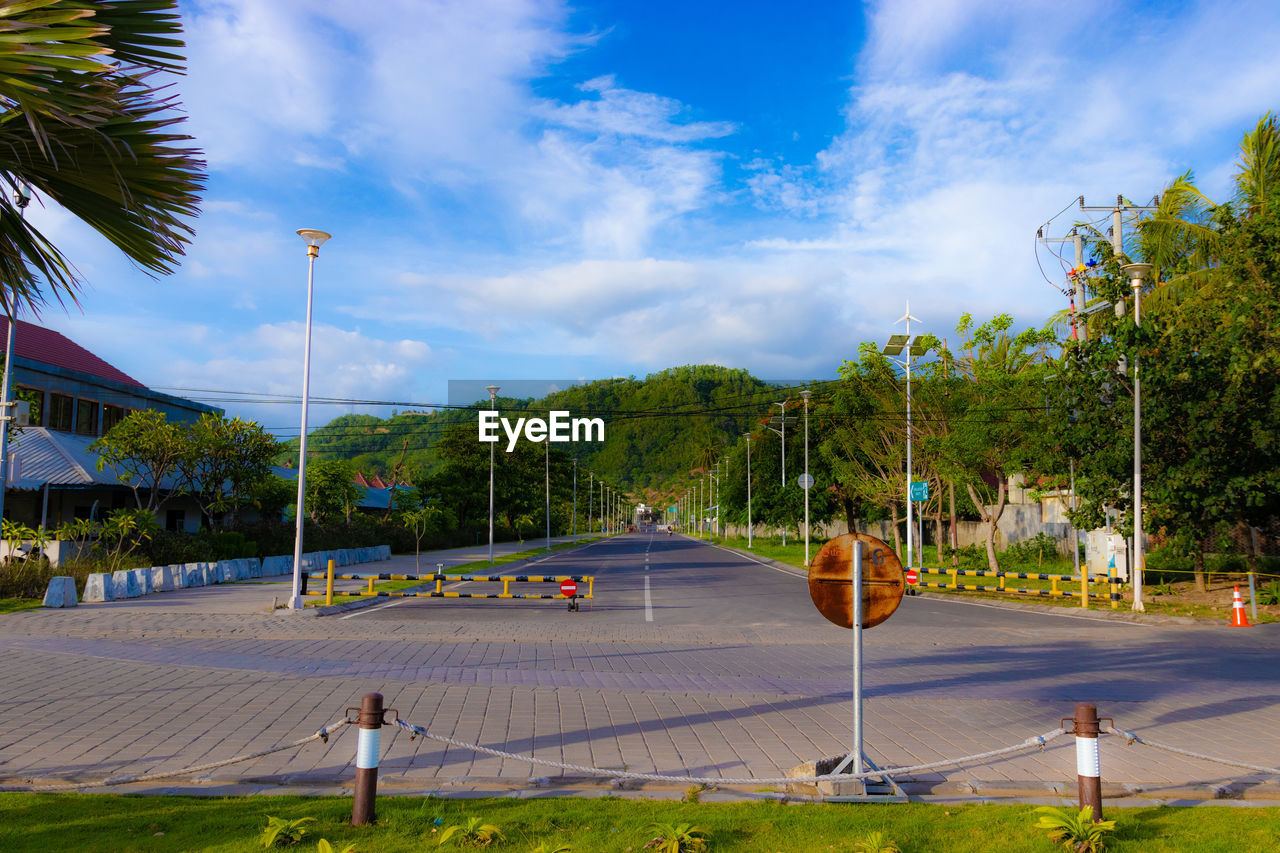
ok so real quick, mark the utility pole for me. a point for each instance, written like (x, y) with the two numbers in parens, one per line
(1079, 331)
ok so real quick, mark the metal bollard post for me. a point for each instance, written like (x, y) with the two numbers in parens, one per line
(328, 586)
(1088, 762)
(367, 753)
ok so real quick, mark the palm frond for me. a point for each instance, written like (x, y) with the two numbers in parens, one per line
(82, 124)
(1258, 178)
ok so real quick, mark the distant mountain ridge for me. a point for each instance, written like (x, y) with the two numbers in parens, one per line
(657, 429)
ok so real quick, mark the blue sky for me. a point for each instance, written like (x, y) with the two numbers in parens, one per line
(529, 188)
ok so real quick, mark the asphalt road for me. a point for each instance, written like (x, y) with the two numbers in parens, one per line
(691, 658)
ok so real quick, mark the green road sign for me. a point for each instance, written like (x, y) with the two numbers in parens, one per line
(920, 490)
(672, 510)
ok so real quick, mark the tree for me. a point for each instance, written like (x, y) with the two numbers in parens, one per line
(331, 489)
(421, 521)
(145, 451)
(999, 402)
(1209, 364)
(83, 125)
(224, 462)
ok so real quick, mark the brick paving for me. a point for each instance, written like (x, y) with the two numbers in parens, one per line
(749, 687)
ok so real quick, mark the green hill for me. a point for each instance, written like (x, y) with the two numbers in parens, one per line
(657, 428)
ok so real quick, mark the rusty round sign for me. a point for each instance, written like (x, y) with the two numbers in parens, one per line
(831, 580)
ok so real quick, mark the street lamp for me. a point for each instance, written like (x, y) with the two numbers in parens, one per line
(805, 394)
(314, 239)
(1137, 273)
(782, 434)
(914, 348)
(547, 448)
(749, 527)
(575, 497)
(493, 396)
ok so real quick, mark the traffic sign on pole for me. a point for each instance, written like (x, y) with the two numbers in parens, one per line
(568, 587)
(912, 576)
(805, 481)
(920, 490)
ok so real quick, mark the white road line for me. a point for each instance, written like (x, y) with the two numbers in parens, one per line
(364, 610)
(793, 574)
(648, 601)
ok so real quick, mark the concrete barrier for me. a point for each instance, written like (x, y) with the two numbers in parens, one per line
(162, 578)
(124, 584)
(255, 568)
(61, 592)
(145, 586)
(98, 587)
(273, 566)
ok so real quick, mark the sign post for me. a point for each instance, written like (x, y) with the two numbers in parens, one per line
(874, 590)
(569, 589)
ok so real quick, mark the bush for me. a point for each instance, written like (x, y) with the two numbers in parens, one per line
(1033, 551)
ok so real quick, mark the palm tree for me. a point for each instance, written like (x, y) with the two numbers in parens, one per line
(83, 125)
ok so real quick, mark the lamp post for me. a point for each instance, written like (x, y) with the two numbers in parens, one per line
(1137, 274)
(314, 239)
(547, 447)
(21, 197)
(805, 394)
(782, 434)
(575, 497)
(493, 396)
(749, 527)
(591, 476)
(914, 348)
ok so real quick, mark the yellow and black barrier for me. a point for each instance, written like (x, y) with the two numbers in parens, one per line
(1113, 595)
(440, 580)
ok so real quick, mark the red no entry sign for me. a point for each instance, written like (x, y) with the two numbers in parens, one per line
(912, 576)
(568, 588)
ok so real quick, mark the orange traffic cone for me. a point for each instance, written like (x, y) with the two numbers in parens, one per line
(1238, 619)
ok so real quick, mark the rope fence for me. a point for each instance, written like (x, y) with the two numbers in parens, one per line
(372, 719)
(323, 734)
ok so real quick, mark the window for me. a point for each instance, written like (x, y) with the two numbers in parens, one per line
(111, 415)
(34, 396)
(61, 408)
(175, 520)
(87, 417)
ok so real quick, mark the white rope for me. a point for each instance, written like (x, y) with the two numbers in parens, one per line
(1133, 738)
(322, 734)
(1038, 741)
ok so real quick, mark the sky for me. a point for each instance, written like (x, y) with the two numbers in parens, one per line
(531, 188)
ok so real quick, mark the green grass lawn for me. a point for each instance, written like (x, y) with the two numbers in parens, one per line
(17, 605)
(478, 566)
(104, 822)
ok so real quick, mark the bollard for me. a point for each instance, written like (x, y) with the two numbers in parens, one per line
(367, 752)
(1088, 763)
(328, 586)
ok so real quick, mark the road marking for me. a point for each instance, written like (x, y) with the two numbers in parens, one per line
(364, 610)
(648, 601)
(792, 572)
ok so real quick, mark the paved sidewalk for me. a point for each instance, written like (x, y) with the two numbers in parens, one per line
(104, 691)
